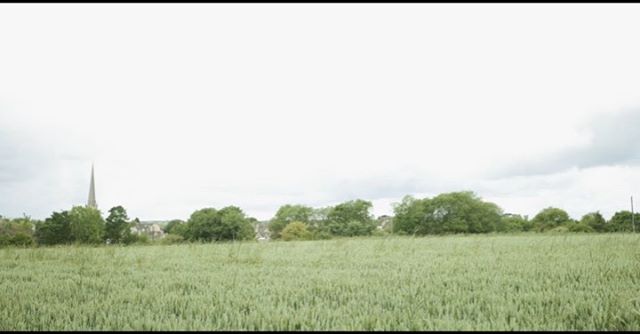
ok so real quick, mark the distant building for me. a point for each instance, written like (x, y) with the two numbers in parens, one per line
(262, 231)
(384, 221)
(152, 229)
(91, 202)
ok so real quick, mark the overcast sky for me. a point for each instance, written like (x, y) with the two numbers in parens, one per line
(183, 107)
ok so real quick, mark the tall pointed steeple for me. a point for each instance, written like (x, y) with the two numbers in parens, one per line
(91, 203)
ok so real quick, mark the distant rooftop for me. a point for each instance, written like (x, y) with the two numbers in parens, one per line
(155, 221)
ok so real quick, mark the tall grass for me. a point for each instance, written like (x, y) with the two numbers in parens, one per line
(482, 282)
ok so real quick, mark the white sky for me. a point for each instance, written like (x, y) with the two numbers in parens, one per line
(207, 105)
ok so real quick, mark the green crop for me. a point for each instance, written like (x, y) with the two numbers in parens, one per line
(478, 282)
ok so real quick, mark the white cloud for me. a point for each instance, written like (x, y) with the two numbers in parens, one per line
(578, 191)
(186, 106)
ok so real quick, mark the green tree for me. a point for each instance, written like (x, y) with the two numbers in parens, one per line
(117, 227)
(351, 218)
(559, 229)
(140, 239)
(55, 229)
(579, 227)
(180, 229)
(21, 239)
(317, 222)
(201, 224)
(171, 225)
(286, 214)
(87, 225)
(228, 223)
(409, 215)
(550, 218)
(528, 224)
(295, 231)
(171, 239)
(595, 221)
(235, 225)
(511, 223)
(18, 231)
(456, 212)
(621, 222)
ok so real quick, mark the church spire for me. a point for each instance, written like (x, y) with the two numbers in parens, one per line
(92, 193)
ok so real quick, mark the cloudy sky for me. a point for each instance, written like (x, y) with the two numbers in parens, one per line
(182, 107)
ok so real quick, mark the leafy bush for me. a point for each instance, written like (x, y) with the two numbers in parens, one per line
(580, 227)
(550, 218)
(16, 232)
(117, 227)
(378, 232)
(295, 231)
(511, 223)
(170, 239)
(86, 225)
(132, 238)
(320, 235)
(286, 214)
(456, 212)
(351, 218)
(174, 226)
(209, 224)
(559, 229)
(142, 239)
(22, 239)
(595, 221)
(621, 222)
(55, 229)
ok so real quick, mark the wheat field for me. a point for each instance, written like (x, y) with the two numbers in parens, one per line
(479, 282)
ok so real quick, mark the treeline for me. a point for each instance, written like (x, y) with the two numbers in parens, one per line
(291, 222)
(464, 212)
(85, 225)
(449, 213)
(81, 225)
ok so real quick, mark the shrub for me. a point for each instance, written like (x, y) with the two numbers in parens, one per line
(580, 227)
(351, 218)
(595, 221)
(511, 223)
(21, 239)
(456, 212)
(621, 222)
(135, 239)
(55, 229)
(142, 239)
(295, 231)
(170, 239)
(209, 224)
(320, 235)
(173, 226)
(550, 218)
(86, 225)
(379, 232)
(17, 232)
(286, 214)
(559, 229)
(116, 227)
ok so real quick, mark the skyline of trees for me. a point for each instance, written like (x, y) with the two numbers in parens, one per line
(447, 213)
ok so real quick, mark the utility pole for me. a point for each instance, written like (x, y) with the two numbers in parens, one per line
(633, 222)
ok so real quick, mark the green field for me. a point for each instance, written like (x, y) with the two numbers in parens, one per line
(480, 282)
